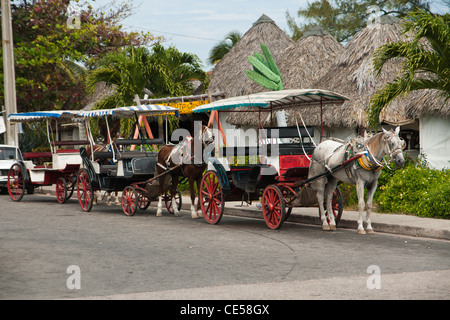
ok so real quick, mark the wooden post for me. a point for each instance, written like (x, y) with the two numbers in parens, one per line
(138, 126)
(219, 126)
(9, 73)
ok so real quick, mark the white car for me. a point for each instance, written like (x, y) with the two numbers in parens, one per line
(8, 156)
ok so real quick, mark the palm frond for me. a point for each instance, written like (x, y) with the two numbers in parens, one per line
(426, 61)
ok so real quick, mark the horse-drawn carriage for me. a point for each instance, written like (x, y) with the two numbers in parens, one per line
(281, 175)
(57, 166)
(114, 168)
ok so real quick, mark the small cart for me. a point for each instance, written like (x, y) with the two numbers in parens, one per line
(116, 170)
(55, 167)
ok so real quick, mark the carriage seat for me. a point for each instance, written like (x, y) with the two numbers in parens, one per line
(37, 155)
(110, 169)
(240, 151)
(295, 148)
(101, 155)
(135, 154)
(127, 142)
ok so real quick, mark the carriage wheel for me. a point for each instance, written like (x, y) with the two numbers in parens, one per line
(70, 185)
(337, 206)
(61, 190)
(16, 182)
(273, 207)
(143, 201)
(211, 197)
(288, 198)
(84, 190)
(168, 201)
(129, 201)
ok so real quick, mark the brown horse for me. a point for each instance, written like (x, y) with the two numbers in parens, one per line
(185, 159)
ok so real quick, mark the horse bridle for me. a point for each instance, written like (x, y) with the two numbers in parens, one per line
(391, 154)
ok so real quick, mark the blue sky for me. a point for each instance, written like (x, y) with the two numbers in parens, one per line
(196, 26)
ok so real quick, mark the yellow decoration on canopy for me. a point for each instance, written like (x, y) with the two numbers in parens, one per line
(186, 107)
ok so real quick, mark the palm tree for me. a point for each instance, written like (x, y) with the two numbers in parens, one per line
(172, 72)
(426, 60)
(162, 72)
(222, 48)
(126, 71)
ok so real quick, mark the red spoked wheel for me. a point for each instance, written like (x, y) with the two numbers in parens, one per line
(61, 190)
(85, 190)
(168, 201)
(211, 197)
(273, 207)
(143, 201)
(129, 201)
(16, 182)
(337, 206)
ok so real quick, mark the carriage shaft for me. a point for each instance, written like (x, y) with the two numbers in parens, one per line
(336, 168)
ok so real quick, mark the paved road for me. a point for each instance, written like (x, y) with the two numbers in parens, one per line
(145, 257)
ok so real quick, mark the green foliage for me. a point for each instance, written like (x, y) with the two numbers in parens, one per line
(223, 47)
(171, 71)
(413, 189)
(132, 70)
(265, 71)
(344, 18)
(417, 190)
(424, 66)
(52, 59)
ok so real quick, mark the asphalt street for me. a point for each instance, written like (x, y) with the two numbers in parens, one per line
(149, 257)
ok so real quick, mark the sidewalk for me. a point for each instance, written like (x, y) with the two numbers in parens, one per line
(387, 223)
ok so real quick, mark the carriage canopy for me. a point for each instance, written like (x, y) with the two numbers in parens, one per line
(41, 115)
(128, 112)
(277, 100)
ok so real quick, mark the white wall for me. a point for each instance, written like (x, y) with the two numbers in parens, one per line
(435, 141)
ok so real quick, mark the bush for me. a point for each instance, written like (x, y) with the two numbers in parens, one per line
(417, 190)
(413, 189)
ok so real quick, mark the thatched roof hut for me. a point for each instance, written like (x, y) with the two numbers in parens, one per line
(229, 73)
(309, 59)
(353, 76)
(301, 65)
(428, 102)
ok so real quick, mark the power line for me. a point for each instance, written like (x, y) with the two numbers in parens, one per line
(174, 34)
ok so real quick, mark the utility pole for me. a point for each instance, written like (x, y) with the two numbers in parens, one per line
(9, 73)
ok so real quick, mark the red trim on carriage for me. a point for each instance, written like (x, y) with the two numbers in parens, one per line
(293, 161)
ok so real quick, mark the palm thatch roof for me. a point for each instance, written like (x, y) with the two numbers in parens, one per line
(309, 59)
(353, 76)
(229, 75)
(427, 102)
(301, 65)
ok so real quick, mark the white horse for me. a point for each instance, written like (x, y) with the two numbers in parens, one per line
(364, 172)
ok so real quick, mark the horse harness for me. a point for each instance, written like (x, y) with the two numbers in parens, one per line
(355, 146)
(352, 148)
(180, 154)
